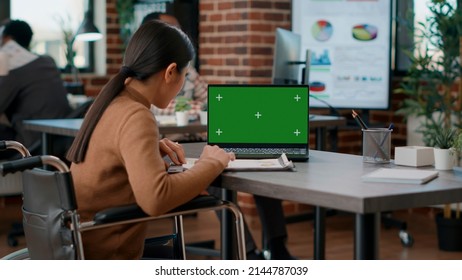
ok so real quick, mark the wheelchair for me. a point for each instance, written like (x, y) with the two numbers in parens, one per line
(12, 185)
(51, 221)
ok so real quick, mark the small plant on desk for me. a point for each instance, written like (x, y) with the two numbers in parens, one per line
(444, 138)
(182, 104)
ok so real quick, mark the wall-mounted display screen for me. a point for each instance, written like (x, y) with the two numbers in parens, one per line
(350, 45)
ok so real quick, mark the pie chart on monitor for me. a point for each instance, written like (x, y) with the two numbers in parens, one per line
(322, 30)
(364, 32)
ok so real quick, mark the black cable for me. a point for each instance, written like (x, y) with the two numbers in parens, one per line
(333, 110)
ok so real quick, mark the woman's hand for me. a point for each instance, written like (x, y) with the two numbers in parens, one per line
(217, 153)
(173, 150)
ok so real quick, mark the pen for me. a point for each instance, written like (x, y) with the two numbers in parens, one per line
(358, 120)
(390, 127)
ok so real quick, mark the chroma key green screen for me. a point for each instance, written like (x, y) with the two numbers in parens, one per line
(258, 114)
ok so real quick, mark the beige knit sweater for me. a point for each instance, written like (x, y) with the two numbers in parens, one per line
(123, 165)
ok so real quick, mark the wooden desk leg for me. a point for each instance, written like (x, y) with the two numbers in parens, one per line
(228, 242)
(319, 233)
(367, 230)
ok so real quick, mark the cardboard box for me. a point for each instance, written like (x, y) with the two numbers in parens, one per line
(414, 156)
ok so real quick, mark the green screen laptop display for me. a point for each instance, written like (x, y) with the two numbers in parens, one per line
(258, 115)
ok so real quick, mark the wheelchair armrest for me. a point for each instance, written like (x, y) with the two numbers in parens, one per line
(201, 201)
(133, 211)
(120, 213)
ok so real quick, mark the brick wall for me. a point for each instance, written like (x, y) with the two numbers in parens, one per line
(236, 46)
(237, 38)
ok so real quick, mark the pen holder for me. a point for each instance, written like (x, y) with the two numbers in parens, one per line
(376, 145)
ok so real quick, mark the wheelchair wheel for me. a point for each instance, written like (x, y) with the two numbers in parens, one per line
(22, 254)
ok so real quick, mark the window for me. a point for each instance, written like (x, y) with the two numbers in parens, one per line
(419, 11)
(49, 26)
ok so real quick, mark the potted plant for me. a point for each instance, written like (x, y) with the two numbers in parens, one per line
(447, 143)
(432, 79)
(444, 143)
(182, 107)
(434, 96)
(447, 147)
(203, 113)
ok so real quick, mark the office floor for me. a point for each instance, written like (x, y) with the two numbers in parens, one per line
(339, 239)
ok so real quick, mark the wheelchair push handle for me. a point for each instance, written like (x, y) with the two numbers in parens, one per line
(20, 165)
(8, 144)
(32, 162)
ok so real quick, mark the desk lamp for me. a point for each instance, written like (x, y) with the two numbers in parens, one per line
(88, 32)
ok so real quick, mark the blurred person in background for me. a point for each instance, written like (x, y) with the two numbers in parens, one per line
(30, 85)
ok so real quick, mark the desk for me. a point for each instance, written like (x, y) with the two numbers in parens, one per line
(333, 180)
(70, 127)
(320, 123)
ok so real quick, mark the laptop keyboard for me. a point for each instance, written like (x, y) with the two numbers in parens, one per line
(267, 151)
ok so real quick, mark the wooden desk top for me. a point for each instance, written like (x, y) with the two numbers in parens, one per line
(333, 180)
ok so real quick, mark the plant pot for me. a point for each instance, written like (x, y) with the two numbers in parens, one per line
(203, 117)
(445, 159)
(182, 118)
(449, 232)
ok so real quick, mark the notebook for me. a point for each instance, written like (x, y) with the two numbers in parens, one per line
(405, 176)
(260, 121)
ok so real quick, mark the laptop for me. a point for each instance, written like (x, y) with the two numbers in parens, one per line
(260, 121)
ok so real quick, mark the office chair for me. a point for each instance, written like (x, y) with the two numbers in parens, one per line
(405, 237)
(51, 220)
(12, 185)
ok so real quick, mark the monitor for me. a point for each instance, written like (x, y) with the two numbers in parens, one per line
(350, 45)
(286, 59)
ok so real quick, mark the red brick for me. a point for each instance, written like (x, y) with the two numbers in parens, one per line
(263, 4)
(255, 15)
(240, 4)
(232, 61)
(261, 27)
(215, 61)
(216, 17)
(206, 6)
(225, 6)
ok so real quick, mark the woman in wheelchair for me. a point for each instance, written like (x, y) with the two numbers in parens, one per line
(117, 157)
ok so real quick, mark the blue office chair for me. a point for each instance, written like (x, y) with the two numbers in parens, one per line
(52, 225)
